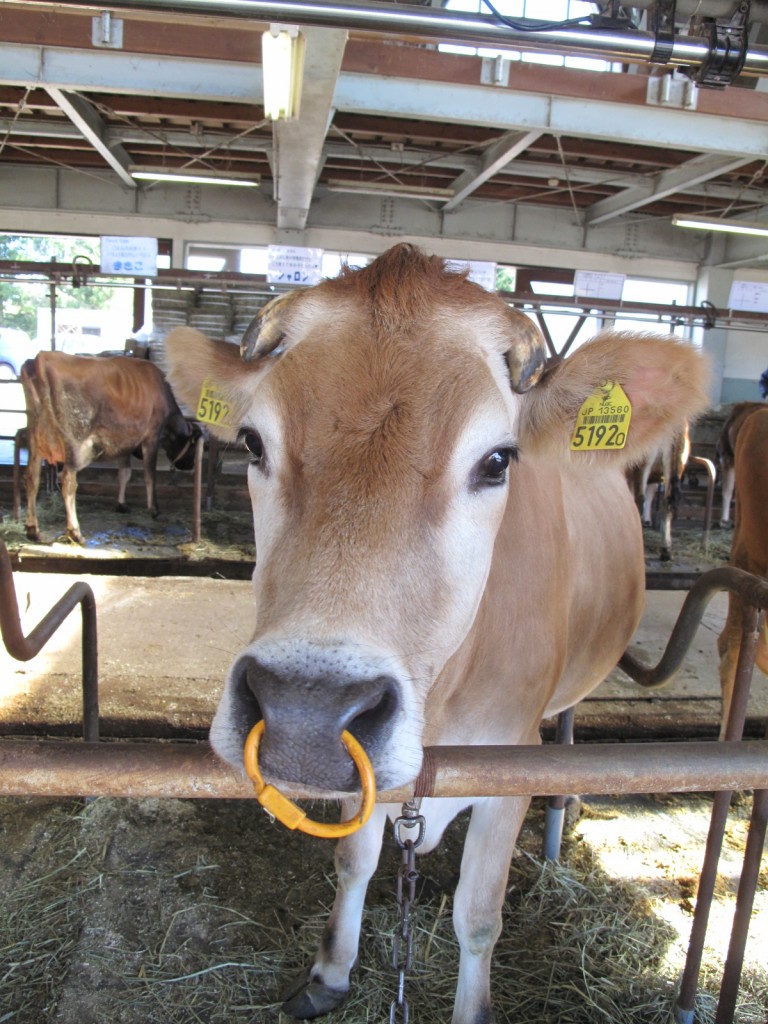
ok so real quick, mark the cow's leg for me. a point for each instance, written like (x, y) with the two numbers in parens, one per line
(68, 492)
(649, 494)
(325, 985)
(32, 480)
(149, 460)
(665, 526)
(728, 648)
(123, 476)
(491, 837)
(729, 483)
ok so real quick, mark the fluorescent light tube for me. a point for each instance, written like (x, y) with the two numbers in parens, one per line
(384, 188)
(282, 62)
(191, 178)
(736, 227)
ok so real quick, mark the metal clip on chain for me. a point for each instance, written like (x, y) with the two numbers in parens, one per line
(407, 876)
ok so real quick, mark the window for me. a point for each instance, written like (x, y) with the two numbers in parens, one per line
(551, 10)
(659, 292)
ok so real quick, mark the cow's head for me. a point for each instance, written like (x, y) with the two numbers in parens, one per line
(179, 441)
(379, 410)
(382, 412)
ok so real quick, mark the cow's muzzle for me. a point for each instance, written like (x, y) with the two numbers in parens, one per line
(305, 714)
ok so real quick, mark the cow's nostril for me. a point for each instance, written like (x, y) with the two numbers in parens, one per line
(305, 714)
(369, 725)
(247, 703)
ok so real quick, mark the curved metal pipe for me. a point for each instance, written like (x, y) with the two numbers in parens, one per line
(23, 648)
(436, 24)
(751, 589)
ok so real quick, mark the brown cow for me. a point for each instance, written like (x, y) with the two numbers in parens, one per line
(662, 473)
(749, 550)
(435, 566)
(724, 452)
(84, 408)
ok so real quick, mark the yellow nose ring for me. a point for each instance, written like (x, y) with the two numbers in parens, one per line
(290, 814)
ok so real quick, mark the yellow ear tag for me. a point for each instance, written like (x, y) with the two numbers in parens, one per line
(603, 420)
(211, 408)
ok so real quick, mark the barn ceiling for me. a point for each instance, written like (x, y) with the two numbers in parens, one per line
(385, 116)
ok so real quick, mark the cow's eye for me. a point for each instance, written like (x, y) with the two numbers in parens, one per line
(253, 443)
(492, 468)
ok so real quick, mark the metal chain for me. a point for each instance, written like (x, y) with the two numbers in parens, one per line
(407, 876)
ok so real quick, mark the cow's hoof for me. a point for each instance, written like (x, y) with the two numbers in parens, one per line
(306, 998)
(120, 507)
(33, 534)
(665, 555)
(75, 538)
(725, 524)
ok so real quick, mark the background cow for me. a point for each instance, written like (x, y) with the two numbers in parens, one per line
(661, 473)
(724, 452)
(84, 408)
(749, 549)
(435, 566)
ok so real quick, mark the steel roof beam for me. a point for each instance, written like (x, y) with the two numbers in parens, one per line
(29, 65)
(298, 144)
(556, 114)
(186, 140)
(131, 74)
(92, 128)
(678, 179)
(502, 152)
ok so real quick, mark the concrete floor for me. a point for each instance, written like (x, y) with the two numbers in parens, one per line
(165, 644)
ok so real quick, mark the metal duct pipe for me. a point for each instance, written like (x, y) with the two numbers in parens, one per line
(435, 24)
(186, 770)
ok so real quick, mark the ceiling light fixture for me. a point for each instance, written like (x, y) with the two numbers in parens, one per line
(282, 63)
(736, 227)
(384, 188)
(195, 178)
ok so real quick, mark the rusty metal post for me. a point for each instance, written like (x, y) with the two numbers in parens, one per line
(197, 490)
(750, 871)
(52, 307)
(19, 442)
(213, 458)
(684, 1007)
(23, 648)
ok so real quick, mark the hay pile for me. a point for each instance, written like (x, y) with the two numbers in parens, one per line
(173, 912)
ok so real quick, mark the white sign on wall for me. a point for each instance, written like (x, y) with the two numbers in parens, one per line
(594, 284)
(479, 271)
(294, 264)
(128, 255)
(749, 296)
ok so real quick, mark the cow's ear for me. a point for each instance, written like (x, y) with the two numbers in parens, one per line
(665, 380)
(267, 333)
(194, 362)
(527, 356)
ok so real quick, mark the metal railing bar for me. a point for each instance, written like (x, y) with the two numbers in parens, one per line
(190, 770)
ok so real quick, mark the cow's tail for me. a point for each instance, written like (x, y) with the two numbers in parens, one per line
(30, 378)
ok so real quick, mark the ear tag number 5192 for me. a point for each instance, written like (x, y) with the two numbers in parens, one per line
(212, 407)
(602, 422)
